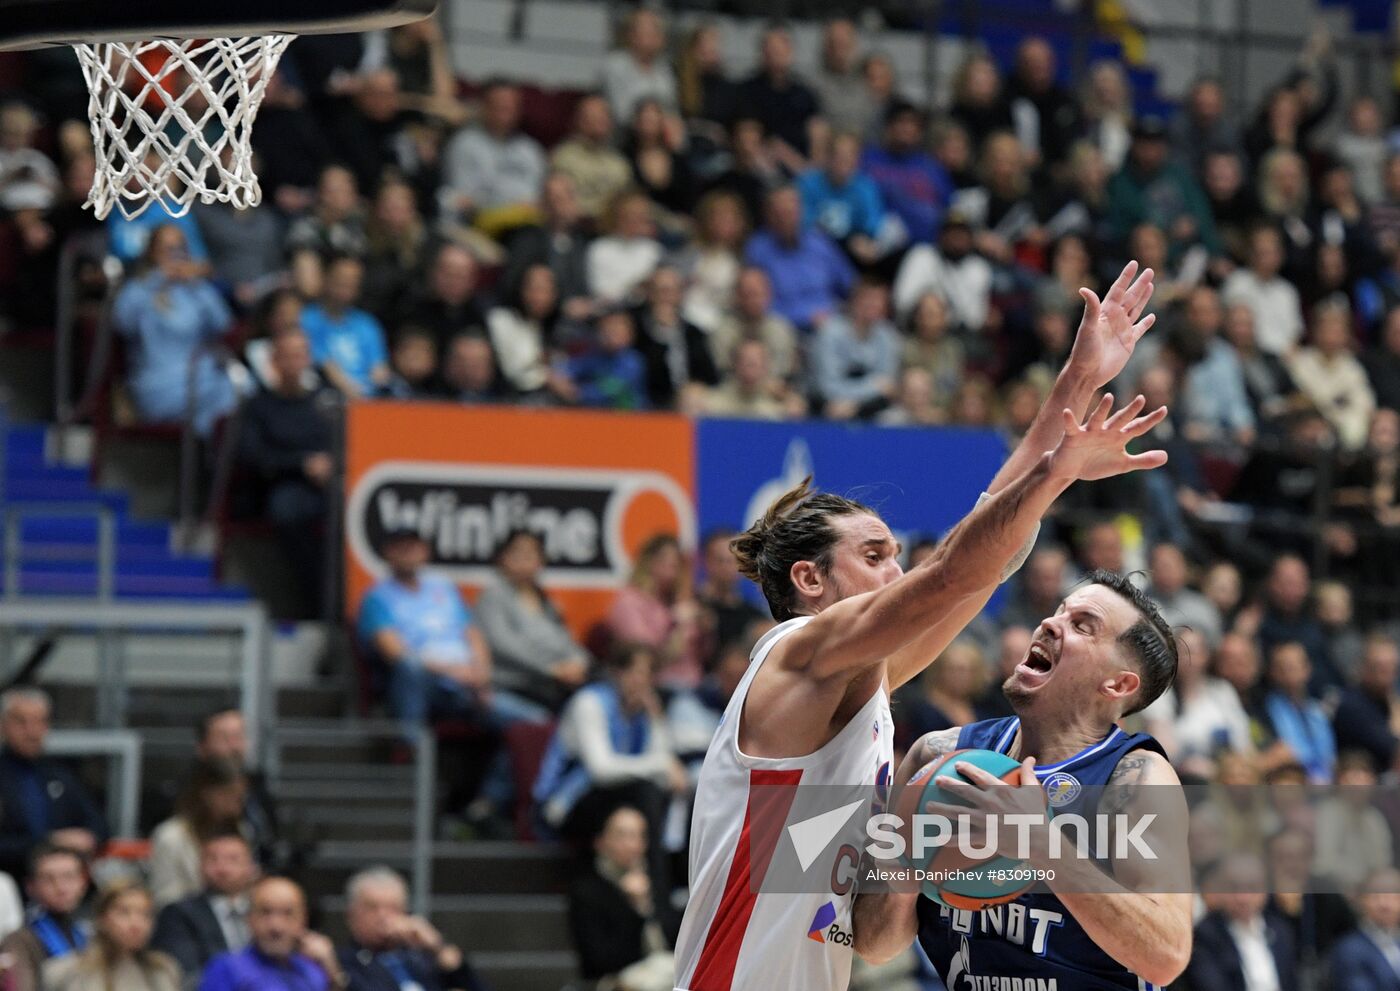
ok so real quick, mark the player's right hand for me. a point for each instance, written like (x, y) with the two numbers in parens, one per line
(1111, 329)
(1098, 448)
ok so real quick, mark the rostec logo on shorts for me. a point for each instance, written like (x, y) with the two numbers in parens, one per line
(465, 511)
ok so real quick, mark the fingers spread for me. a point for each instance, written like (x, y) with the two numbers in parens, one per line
(1091, 304)
(1125, 414)
(1143, 424)
(1146, 460)
(1070, 420)
(1100, 412)
(1143, 326)
(1120, 284)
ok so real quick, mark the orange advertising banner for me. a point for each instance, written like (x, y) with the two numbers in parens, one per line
(594, 485)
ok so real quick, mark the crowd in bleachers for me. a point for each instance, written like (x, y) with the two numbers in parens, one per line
(799, 242)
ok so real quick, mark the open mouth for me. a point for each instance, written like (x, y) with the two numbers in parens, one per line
(1038, 661)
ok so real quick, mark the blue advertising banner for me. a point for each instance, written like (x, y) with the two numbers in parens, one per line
(922, 480)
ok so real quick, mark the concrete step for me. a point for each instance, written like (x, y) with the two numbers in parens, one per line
(517, 971)
(484, 868)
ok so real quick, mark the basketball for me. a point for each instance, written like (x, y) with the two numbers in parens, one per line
(979, 883)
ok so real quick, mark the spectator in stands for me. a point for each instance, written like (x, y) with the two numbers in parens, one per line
(1316, 917)
(245, 249)
(855, 356)
(720, 591)
(931, 348)
(621, 261)
(389, 949)
(657, 608)
(58, 881)
(611, 372)
(1152, 189)
(1283, 196)
(210, 803)
(1299, 104)
(752, 319)
(913, 402)
(947, 692)
(336, 223)
(1278, 315)
(1214, 396)
(843, 201)
(469, 373)
(1180, 605)
(712, 261)
(1368, 713)
(285, 437)
(1365, 960)
(1271, 391)
(1237, 944)
(845, 102)
(169, 314)
(1041, 585)
(954, 271)
(29, 180)
(366, 130)
(611, 749)
(558, 241)
(1047, 117)
(588, 157)
(913, 184)
(749, 389)
(615, 912)
(1204, 712)
(640, 70)
(979, 105)
(754, 171)
(129, 239)
(708, 98)
(523, 335)
(119, 958)
(492, 174)
(809, 275)
(1202, 126)
(198, 928)
(1353, 840)
(778, 96)
(1385, 214)
(534, 655)
(676, 351)
(1329, 374)
(1287, 617)
(1368, 498)
(655, 147)
(447, 306)
(289, 143)
(397, 248)
(40, 799)
(223, 735)
(413, 363)
(1107, 113)
(1336, 617)
(283, 954)
(347, 342)
(1295, 717)
(1233, 205)
(1382, 362)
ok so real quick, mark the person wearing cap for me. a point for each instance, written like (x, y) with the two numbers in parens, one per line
(915, 187)
(1152, 189)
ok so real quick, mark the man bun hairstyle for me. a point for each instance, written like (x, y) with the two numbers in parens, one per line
(798, 526)
(1150, 640)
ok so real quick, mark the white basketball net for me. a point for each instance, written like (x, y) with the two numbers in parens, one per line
(172, 120)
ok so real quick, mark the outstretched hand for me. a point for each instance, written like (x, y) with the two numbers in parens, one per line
(1111, 328)
(1097, 448)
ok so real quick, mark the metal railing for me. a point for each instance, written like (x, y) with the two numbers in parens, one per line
(113, 622)
(104, 556)
(424, 782)
(122, 748)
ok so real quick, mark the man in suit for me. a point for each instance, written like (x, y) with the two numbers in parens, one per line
(1369, 959)
(40, 800)
(58, 880)
(1239, 947)
(223, 735)
(390, 950)
(194, 930)
(282, 953)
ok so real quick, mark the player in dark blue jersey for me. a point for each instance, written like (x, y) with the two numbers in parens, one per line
(1124, 924)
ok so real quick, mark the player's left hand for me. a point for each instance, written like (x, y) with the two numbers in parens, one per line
(1097, 448)
(987, 795)
(1112, 327)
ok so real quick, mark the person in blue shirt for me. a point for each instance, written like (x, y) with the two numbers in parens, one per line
(855, 356)
(168, 314)
(612, 373)
(283, 955)
(809, 274)
(1296, 718)
(346, 341)
(57, 884)
(843, 201)
(128, 239)
(911, 181)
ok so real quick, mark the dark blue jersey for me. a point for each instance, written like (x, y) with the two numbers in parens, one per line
(1032, 943)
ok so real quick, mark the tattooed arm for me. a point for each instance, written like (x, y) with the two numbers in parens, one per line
(886, 923)
(1141, 916)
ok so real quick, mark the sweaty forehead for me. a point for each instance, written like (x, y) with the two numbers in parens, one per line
(1117, 611)
(860, 528)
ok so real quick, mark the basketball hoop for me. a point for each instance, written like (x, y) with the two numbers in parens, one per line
(172, 120)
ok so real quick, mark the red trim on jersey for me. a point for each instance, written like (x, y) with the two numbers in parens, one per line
(764, 820)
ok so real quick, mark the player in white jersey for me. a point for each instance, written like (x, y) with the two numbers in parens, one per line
(813, 707)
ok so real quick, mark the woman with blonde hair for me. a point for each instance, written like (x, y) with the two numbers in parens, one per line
(657, 608)
(119, 957)
(1108, 111)
(212, 801)
(711, 263)
(706, 93)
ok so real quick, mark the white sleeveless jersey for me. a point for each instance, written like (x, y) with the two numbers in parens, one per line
(738, 934)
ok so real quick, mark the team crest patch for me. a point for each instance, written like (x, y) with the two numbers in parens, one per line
(1061, 789)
